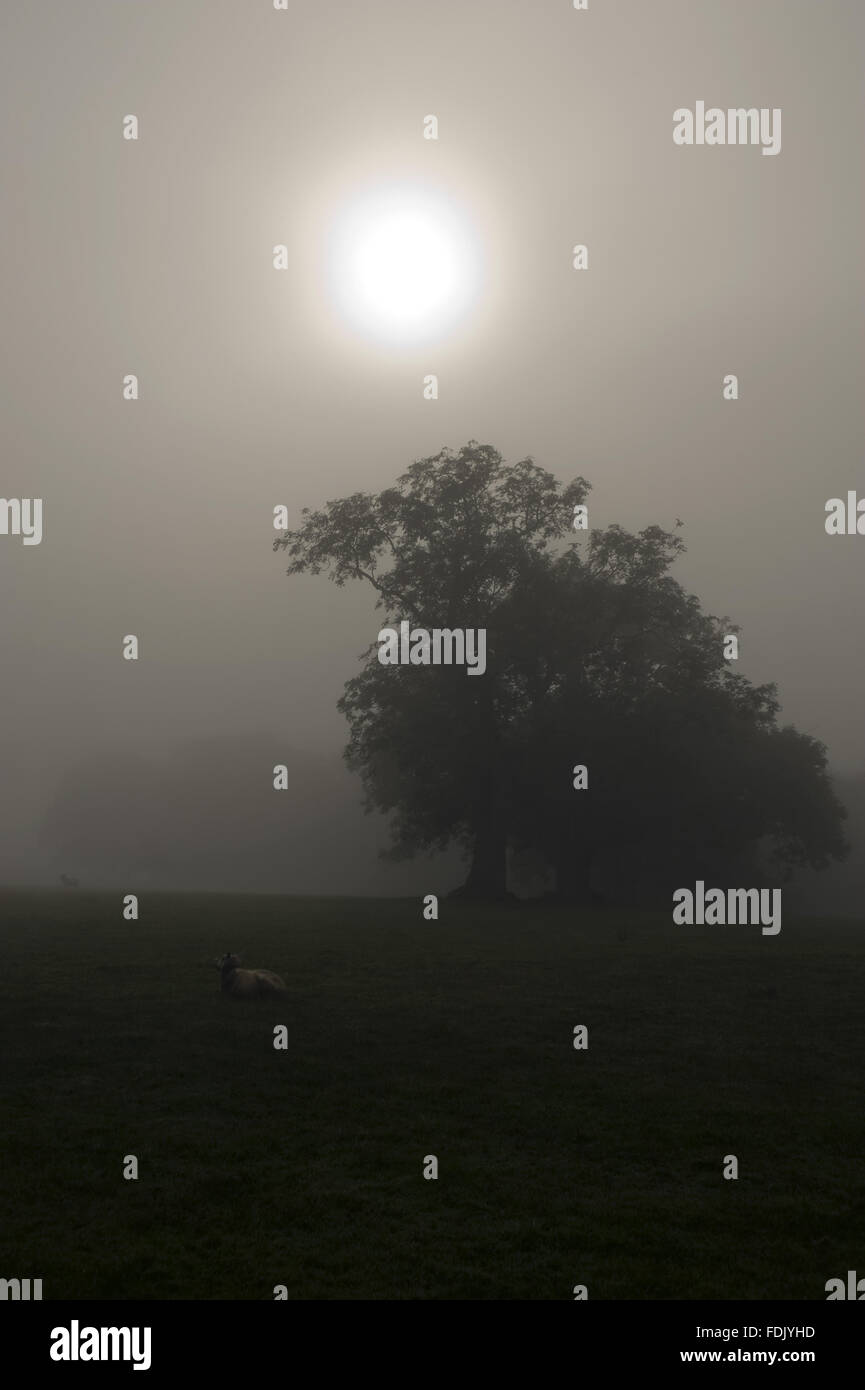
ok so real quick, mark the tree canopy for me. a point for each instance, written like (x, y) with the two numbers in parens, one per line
(596, 656)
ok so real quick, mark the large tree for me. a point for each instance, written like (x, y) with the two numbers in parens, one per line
(595, 655)
(460, 537)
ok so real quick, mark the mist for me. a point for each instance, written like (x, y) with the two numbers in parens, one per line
(154, 258)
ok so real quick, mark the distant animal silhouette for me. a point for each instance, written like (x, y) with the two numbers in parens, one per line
(248, 984)
(69, 882)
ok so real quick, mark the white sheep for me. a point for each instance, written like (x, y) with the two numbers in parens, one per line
(248, 984)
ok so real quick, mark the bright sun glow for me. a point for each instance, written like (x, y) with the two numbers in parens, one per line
(404, 264)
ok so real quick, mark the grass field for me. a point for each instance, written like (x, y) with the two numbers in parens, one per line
(303, 1167)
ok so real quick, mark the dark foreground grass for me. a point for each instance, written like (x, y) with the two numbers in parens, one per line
(407, 1038)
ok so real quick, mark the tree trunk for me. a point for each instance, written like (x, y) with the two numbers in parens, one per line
(488, 873)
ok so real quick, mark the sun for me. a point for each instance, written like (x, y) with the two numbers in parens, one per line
(404, 264)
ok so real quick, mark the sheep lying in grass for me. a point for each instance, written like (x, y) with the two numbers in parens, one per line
(248, 984)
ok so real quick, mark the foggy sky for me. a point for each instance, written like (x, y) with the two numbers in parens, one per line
(555, 127)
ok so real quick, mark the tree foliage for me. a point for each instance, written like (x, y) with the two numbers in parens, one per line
(595, 655)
